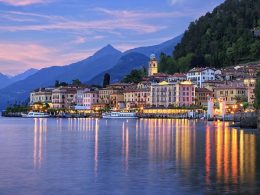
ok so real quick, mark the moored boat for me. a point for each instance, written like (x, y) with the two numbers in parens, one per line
(120, 115)
(36, 115)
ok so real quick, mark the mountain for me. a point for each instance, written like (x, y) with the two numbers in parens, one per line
(136, 58)
(84, 70)
(23, 75)
(227, 36)
(90, 70)
(4, 80)
(125, 65)
(166, 47)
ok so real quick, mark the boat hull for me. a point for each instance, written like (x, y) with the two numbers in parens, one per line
(118, 117)
(35, 116)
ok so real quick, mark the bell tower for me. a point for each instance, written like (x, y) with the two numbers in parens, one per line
(153, 66)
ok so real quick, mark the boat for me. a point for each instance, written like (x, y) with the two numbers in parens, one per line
(36, 115)
(120, 115)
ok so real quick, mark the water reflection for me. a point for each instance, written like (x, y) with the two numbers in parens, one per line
(40, 136)
(125, 144)
(220, 157)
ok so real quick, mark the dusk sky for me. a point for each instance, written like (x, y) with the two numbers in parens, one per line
(42, 33)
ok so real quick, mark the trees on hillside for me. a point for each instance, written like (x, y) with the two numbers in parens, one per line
(135, 76)
(221, 38)
(106, 80)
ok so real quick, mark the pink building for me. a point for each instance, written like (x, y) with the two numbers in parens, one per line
(90, 98)
(176, 94)
(186, 93)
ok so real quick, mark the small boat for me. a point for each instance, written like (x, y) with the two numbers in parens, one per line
(36, 115)
(120, 115)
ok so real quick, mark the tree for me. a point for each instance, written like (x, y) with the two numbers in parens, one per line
(60, 84)
(135, 76)
(76, 82)
(106, 80)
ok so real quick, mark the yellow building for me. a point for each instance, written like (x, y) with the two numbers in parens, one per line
(137, 97)
(104, 94)
(115, 99)
(153, 66)
(230, 93)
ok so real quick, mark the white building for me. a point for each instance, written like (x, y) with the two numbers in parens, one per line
(199, 75)
(42, 95)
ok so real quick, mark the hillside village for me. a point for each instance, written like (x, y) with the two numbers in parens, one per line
(158, 93)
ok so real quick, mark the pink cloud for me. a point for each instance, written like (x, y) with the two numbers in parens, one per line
(48, 22)
(22, 2)
(17, 57)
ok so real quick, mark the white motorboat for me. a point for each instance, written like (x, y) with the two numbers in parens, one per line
(36, 115)
(120, 115)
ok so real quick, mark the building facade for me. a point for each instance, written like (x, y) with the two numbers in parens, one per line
(250, 84)
(137, 97)
(90, 98)
(200, 75)
(166, 94)
(42, 95)
(202, 95)
(230, 93)
(64, 97)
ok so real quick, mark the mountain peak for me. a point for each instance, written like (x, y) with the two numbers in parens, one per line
(107, 50)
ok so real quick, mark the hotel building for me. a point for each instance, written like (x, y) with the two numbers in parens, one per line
(166, 94)
(42, 95)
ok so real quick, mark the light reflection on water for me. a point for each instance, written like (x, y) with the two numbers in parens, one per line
(126, 156)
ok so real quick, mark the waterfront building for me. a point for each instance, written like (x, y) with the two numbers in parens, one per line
(137, 98)
(116, 100)
(105, 93)
(202, 95)
(153, 66)
(90, 98)
(64, 97)
(200, 75)
(167, 94)
(231, 92)
(80, 95)
(250, 84)
(41, 95)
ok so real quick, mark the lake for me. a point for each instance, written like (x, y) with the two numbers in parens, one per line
(146, 156)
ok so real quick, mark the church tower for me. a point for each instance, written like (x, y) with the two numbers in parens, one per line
(153, 66)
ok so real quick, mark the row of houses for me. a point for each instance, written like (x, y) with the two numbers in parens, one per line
(157, 90)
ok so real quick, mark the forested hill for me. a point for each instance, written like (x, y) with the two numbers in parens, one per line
(221, 38)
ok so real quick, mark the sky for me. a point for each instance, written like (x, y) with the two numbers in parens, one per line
(43, 33)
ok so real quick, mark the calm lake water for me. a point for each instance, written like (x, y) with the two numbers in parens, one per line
(147, 156)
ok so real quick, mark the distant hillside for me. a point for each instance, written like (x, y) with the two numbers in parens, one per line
(8, 80)
(4, 80)
(125, 65)
(103, 59)
(166, 47)
(23, 75)
(223, 37)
